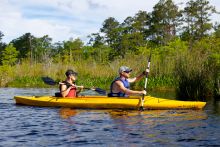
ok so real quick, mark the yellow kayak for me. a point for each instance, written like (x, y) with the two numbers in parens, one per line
(104, 102)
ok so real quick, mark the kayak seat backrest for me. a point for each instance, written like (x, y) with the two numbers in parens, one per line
(58, 94)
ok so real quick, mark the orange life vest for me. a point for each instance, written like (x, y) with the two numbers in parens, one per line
(72, 92)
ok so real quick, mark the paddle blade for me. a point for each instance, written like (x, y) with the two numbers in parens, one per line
(100, 91)
(49, 81)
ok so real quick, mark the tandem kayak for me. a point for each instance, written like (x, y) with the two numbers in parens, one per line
(104, 102)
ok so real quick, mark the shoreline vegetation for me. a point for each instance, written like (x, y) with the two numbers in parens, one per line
(193, 71)
(90, 73)
(185, 53)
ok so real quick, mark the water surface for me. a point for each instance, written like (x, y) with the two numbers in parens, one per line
(42, 126)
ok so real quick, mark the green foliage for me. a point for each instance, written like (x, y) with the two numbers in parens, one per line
(22, 44)
(101, 82)
(2, 46)
(164, 21)
(1, 35)
(41, 49)
(214, 63)
(197, 19)
(110, 28)
(140, 21)
(101, 54)
(217, 31)
(192, 86)
(9, 55)
(167, 82)
(72, 50)
(26, 81)
(194, 74)
(164, 57)
(6, 75)
(96, 40)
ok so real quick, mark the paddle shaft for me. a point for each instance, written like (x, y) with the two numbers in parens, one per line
(145, 83)
(73, 85)
(50, 81)
(77, 86)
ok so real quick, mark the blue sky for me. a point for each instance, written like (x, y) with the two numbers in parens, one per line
(65, 19)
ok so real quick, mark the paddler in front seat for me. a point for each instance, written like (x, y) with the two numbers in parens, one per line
(120, 87)
(68, 87)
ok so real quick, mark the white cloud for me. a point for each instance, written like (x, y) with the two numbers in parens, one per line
(63, 19)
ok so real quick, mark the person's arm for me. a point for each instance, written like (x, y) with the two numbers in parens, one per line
(64, 90)
(137, 78)
(128, 91)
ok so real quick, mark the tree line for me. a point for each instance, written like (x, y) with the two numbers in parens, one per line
(165, 23)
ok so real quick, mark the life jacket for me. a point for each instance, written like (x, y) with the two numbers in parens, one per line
(119, 94)
(72, 92)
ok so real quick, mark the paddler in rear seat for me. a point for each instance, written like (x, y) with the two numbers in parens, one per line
(68, 87)
(120, 87)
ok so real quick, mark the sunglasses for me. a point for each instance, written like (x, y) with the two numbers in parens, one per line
(75, 75)
(127, 71)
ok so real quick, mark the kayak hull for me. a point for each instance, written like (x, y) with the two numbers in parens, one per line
(104, 102)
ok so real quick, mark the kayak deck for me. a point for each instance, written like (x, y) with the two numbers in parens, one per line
(104, 102)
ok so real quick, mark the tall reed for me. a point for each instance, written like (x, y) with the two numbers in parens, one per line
(194, 76)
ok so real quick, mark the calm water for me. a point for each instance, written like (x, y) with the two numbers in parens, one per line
(36, 126)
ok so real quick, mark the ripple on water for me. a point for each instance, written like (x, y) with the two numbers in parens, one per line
(41, 126)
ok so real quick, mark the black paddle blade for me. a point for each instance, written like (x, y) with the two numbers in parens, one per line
(100, 91)
(49, 81)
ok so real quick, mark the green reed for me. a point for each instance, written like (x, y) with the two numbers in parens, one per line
(27, 82)
(194, 76)
(90, 73)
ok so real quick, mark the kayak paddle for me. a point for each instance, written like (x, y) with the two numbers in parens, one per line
(50, 81)
(145, 84)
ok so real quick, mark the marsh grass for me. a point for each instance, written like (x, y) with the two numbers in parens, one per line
(90, 73)
(27, 81)
(194, 76)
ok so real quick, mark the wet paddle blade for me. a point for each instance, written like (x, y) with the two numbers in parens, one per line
(49, 81)
(100, 91)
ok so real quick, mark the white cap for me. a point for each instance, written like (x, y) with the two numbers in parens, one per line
(124, 69)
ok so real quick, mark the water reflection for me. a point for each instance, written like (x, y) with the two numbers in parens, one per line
(216, 107)
(149, 117)
(66, 113)
(168, 114)
(155, 125)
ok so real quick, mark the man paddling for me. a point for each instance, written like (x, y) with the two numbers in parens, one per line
(120, 87)
(68, 87)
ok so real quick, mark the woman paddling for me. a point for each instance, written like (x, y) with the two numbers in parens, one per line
(68, 87)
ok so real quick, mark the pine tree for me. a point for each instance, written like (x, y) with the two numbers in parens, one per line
(197, 19)
(9, 55)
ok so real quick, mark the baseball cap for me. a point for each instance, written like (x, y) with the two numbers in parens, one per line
(71, 72)
(124, 69)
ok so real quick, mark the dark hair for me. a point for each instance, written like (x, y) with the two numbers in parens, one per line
(70, 72)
